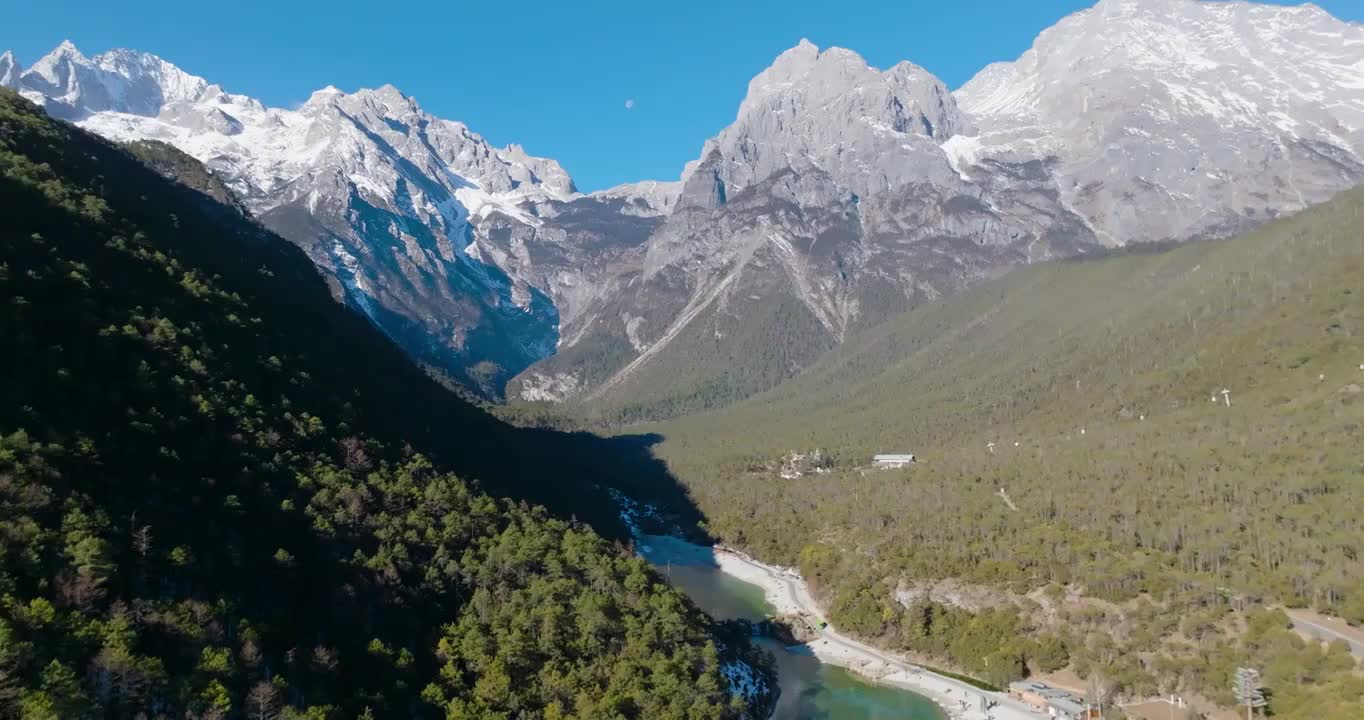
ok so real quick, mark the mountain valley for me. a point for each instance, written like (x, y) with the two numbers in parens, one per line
(224, 495)
(339, 410)
(840, 196)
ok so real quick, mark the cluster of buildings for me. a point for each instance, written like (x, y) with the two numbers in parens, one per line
(796, 465)
(1058, 703)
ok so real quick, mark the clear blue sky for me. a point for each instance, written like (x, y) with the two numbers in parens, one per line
(552, 76)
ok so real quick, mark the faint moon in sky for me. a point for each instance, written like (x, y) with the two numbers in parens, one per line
(629, 103)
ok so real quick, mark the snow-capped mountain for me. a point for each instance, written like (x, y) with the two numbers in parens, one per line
(870, 130)
(649, 197)
(71, 85)
(1177, 118)
(828, 205)
(9, 70)
(386, 199)
(840, 194)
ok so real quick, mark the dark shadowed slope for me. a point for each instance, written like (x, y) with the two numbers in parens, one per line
(222, 493)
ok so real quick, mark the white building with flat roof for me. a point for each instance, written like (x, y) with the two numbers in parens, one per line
(892, 460)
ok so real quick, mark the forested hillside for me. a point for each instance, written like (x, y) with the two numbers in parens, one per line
(223, 495)
(1103, 443)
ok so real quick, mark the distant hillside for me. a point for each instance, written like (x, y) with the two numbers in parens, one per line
(1088, 395)
(224, 495)
(174, 164)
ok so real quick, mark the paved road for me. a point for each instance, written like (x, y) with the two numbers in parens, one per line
(902, 672)
(1327, 633)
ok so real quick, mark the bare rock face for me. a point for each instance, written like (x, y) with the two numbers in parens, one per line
(828, 205)
(870, 130)
(649, 198)
(792, 628)
(1170, 119)
(396, 206)
(840, 195)
(9, 70)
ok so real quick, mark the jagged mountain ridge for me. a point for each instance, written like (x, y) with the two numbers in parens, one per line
(290, 492)
(827, 206)
(869, 129)
(948, 188)
(1177, 118)
(403, 211)
(9, 70)
(840, 195)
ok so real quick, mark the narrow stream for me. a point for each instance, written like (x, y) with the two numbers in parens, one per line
(810, 690)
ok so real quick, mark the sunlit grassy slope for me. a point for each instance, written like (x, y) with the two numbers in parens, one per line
(1095, 379)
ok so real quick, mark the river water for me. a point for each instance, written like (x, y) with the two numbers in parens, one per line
(810, 690)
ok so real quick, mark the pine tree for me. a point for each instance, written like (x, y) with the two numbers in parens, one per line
(263, 702)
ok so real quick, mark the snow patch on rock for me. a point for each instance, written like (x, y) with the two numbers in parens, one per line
(549, 387)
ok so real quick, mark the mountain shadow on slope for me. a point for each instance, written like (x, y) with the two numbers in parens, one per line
(221, 492)
(380, 379)
(439, 319)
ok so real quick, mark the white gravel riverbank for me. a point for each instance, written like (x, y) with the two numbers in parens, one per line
(786, 593)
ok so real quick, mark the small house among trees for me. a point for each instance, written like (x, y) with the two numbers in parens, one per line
(1055, 702)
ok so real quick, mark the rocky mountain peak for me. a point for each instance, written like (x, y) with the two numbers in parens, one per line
(58, 69)
(323, 96)
(387, 100)
(807, 80)
(786, 68)
(704, 188)
(864, 126)
(1259, 95)
(1268, 53)
(840, 194)
(543, 172)
(647, 198)
(9, 70)
(71, 85)
(394, 204)
(1169, 8)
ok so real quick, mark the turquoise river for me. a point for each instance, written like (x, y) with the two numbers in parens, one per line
(810, 690)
